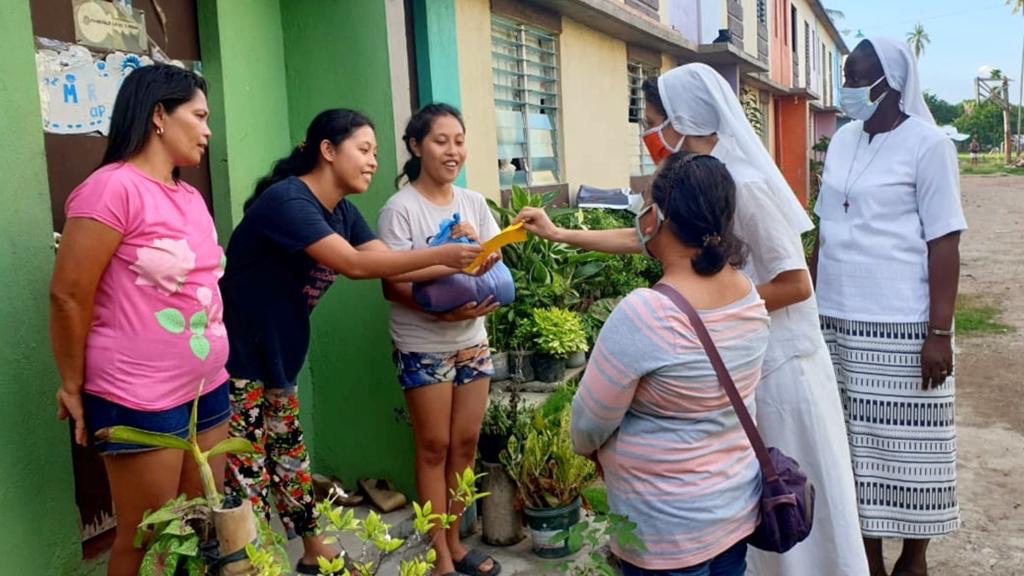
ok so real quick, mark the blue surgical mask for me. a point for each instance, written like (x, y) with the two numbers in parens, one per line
(856, 102)
(659, 220)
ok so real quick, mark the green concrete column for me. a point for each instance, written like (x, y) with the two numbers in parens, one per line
(39, 534)
(437, 58)
(337, 54)
(243, 62)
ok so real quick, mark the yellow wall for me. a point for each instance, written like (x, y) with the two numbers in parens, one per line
(594, 108)
(750, 27)
(473, 22)
(803, 14)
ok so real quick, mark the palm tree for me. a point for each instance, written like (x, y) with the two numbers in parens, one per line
(1017, 5)
(917, 38)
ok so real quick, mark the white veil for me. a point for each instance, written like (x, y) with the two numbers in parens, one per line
(900, 69)
(699, 102)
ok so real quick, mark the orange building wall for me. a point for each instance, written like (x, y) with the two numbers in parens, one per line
(791, 142)
(780, 50)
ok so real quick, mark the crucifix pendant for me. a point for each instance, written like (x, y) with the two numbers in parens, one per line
(846, 206)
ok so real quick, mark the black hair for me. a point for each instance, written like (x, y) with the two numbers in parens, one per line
(334, 125)
(417, 129)
(698, 197)
(652, 94)
(142, 90)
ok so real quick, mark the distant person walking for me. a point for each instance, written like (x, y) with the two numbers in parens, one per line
(975, 148)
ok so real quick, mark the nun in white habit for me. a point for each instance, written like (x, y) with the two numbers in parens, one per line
(693, 108)
(887, 276)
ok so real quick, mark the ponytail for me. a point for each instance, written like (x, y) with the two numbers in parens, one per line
(334, 125)
(417, 129)
(301, 161)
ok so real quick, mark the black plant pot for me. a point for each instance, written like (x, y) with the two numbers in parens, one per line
(548, 368)
(491, 445)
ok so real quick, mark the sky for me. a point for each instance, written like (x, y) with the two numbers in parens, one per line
(965, 35)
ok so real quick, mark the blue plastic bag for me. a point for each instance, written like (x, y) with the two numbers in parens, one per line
(451, 292)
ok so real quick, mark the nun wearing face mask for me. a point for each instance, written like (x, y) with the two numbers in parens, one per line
(693, 109)
(887, 273)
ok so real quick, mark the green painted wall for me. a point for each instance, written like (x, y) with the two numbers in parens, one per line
(243, 61)
(337, 56)
(37, 493)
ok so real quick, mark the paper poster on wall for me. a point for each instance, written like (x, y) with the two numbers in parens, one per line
(102, 24)
(77, 90)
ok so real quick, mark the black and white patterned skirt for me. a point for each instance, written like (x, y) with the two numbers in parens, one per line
(902, 437)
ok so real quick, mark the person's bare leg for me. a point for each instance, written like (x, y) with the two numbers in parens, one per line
(469, 403)
(876, 561)
(913, 560)
(430, 407)
(139, 481)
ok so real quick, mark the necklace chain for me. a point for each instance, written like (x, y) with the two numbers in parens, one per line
(856, 151)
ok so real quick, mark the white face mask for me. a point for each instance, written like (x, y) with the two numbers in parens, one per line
(659, 219)
(856, 102)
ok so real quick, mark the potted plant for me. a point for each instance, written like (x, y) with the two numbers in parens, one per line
(498, 424)
(520, 356)
(499, 332)
(550, 477)
(203, 530)
(557, 333)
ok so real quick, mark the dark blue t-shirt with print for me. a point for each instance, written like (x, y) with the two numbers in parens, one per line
(270, 285)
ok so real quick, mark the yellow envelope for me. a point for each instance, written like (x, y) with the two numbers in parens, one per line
(512, 234)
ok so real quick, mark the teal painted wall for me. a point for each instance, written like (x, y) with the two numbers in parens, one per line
(437, 55)
(337, 56)
(437, 59)
(37, 493)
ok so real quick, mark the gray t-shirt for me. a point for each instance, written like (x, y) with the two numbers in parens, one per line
(408, 221)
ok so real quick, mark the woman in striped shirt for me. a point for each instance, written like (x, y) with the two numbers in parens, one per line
(650, 409)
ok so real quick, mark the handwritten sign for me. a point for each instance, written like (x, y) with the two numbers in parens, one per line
(77, 91)
(105, 25)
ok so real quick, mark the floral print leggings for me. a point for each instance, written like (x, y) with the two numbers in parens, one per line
(269, 418)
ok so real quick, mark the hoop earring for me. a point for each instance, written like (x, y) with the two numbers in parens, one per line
(159, 131)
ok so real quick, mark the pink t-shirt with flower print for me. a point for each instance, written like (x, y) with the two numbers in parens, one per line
(157, 328)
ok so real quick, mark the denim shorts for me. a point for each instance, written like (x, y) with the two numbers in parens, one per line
(732, 562)
(460, 367)
(100, 413)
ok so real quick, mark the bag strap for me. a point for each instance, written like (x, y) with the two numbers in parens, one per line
(767, 468)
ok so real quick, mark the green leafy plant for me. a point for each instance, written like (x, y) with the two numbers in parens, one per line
(377, 542)
(557, 331)
(594, 533)
(752, 110)
(544, 466)
(172, 534)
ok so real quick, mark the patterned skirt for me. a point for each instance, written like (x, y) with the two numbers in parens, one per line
(902, 437)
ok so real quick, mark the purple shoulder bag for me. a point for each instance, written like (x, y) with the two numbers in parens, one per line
(787, 496)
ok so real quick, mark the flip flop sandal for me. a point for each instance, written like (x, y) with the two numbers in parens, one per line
(471, 562)
(382, 494)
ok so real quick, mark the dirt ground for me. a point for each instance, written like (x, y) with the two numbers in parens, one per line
(990, 390)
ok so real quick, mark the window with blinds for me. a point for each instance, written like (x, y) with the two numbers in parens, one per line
(524, 66)
(640, 163)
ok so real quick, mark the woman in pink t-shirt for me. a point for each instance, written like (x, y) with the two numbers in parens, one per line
(136, 314)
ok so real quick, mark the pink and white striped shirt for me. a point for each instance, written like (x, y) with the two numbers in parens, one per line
(676, 460)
